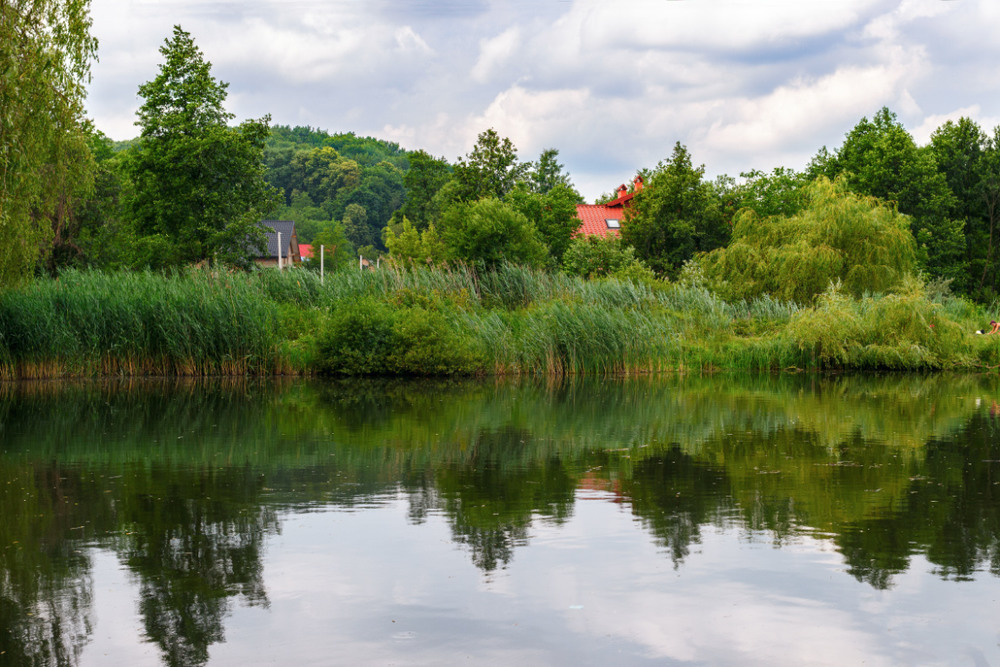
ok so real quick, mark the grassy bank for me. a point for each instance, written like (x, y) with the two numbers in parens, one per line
(438, 322)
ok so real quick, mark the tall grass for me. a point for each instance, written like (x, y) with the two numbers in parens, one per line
(89, 323)
(413, 320)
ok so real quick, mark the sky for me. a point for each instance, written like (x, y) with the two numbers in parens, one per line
(611, 84)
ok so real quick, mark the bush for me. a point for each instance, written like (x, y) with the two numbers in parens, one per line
(372, 337)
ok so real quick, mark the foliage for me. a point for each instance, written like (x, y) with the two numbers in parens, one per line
(489, 232)
(370, 337)
(136, 323)
(199, 189)
(969, 160)
(839, 236)
(491, 170)
(599, 257)
(547, 174)
(337, 249)
(45, 53)
(416, 246)
(553, 213)
(424, 178)
(676, 215)
(903, 331)
(879, 158)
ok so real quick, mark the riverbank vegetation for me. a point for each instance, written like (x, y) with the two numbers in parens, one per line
(457, 321)
(878, 255)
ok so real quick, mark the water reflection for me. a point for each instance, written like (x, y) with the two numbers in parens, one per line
(187, 482)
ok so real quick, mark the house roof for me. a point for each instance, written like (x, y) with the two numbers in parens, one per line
(271, 229)
(594, 217)
(306, 250)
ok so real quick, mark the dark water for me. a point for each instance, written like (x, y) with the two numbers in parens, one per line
(726, 520)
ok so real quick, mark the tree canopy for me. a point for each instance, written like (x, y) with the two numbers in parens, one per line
(45, 53)
(838, 235)
(675, 215)
(199, 190)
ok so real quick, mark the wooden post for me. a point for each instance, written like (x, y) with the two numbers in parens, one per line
(279, 251)
(322, 256)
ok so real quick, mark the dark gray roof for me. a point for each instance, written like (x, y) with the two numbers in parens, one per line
(271, 229)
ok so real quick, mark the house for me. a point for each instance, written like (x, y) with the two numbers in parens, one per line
(606, 219)
(290, 253)
(306, 250)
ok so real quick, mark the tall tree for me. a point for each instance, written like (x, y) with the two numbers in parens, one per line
(879, 158)
(548, 173)
(45, 54)
(423, 179)
(969, 161)
(490, 170)
(676, 215)
(198, 185)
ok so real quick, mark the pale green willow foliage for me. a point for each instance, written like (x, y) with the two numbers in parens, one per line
(838, 236)
(45, 54)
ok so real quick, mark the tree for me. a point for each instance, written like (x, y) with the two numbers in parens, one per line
(45, 53)
(199, 187)
(490, 170)
(879, 158)
(422, 180)
(600, 257)
(675, 215)
(839, 235)
(337, 249)
(489, 232)
(547, 174)
(969, 161)
(414, 245)
(553, 213)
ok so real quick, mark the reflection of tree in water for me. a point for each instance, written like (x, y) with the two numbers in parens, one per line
(492, 495)
(674, 495)
(48, 624)
(196, 541)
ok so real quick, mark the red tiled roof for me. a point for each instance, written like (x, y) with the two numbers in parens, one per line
(306, 250)
(594, 217)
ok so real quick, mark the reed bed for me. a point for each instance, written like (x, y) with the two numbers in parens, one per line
(415, 320)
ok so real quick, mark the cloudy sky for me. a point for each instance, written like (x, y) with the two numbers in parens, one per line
(611, 84)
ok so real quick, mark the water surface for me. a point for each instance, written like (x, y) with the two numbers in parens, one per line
(673, 520)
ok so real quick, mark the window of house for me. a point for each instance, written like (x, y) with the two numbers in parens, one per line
(612, 223)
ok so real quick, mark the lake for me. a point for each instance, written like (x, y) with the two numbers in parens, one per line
(720, 520)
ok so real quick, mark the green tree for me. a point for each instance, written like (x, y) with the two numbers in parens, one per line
(675, 215)
(414, 245)
(424, 178)
(600, 257)
(969, 160)
(198, 185)
(338, 251)
(45, 53)
(547, 174)
(490, 170)
(839, 235)
(552, 212)
(879, 158)
(489, 232)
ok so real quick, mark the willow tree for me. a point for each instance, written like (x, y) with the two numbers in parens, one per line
(839, 235)
(45, 54)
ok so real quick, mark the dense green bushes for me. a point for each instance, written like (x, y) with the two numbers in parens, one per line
(421, 321)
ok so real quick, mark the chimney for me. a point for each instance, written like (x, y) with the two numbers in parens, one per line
(637, 184)
(622, 190)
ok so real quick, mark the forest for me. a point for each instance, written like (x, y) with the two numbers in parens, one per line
(875, 227)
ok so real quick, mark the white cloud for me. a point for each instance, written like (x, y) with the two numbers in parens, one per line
(495, 52)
